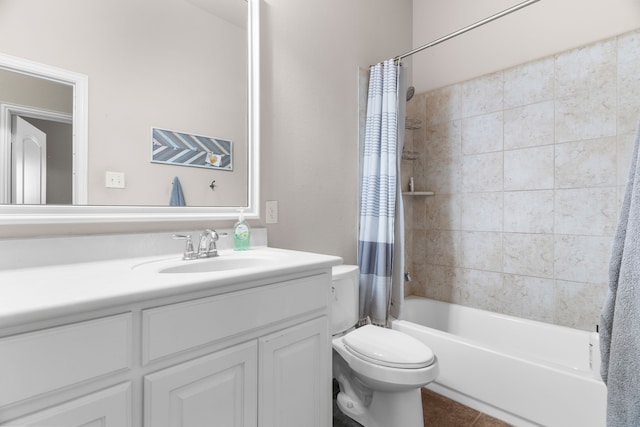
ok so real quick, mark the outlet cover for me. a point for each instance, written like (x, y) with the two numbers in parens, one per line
(114, 179)
(272, 212)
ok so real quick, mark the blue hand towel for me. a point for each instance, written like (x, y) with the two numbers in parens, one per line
(177, 198)
(620, 317)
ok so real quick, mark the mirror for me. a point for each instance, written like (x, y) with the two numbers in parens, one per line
(134, 69)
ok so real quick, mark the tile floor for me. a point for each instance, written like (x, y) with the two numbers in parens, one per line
(439, 411)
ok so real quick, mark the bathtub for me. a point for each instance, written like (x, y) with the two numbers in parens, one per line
(524, 372)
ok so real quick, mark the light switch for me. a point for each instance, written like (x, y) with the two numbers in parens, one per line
(114, 179)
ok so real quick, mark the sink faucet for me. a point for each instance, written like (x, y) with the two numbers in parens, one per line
(189, 253)
(207, 246)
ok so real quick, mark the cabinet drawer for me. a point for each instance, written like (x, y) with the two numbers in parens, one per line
(38, 362)
(106, 408)
(178, 327)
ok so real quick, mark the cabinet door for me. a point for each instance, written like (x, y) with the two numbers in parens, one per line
(219, 389)
(106, 408)
(295, 376)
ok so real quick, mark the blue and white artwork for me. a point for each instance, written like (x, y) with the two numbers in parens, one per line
(183, 149)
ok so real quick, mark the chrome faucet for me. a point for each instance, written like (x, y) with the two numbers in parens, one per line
(189, 253)
(206, 246)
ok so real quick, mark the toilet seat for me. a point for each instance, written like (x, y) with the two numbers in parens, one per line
(387, 347)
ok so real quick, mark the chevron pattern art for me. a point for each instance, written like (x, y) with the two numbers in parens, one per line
(183, 149)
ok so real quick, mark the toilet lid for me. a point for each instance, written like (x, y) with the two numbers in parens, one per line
(387, 347)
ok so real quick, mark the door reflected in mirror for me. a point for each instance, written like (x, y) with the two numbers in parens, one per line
(180, 65)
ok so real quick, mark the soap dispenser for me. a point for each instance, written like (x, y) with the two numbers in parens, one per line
(241, 233)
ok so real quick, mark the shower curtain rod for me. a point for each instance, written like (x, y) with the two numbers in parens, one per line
(467, 28)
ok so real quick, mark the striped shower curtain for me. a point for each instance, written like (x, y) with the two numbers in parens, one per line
(378, 192)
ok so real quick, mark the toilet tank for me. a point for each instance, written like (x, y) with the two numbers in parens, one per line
(344, 298)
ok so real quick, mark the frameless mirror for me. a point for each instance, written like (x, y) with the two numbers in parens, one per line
(98, 78)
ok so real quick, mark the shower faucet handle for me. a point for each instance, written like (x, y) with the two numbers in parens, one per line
(189, 253)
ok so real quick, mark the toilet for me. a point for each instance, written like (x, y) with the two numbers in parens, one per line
(380, 371)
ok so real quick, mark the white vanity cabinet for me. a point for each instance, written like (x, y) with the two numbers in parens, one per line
(278, 379)
(281, 380)
(253, 355)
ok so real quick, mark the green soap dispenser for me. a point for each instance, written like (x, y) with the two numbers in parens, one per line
(241, 233)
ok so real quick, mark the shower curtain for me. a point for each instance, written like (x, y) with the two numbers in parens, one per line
(381, 242)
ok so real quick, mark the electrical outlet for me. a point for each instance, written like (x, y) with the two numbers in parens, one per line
(114, 179)
(272, 212)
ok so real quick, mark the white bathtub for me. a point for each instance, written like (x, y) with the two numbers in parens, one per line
(524, 372)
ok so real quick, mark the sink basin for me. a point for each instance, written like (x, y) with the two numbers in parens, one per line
(216, 264)
(225, 262)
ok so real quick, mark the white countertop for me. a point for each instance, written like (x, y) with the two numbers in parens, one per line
(39, 293)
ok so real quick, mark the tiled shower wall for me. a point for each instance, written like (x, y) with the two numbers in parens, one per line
(528, 166)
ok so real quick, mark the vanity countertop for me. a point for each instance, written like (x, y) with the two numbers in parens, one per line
(33, 294)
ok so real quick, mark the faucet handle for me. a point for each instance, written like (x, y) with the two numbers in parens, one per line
(207, 245)
(217, 235)
(189, 253)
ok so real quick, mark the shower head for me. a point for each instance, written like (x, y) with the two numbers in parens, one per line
(410, 92)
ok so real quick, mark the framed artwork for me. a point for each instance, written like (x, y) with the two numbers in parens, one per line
(184, 149)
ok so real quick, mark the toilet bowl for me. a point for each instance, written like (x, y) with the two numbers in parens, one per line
(380, 371)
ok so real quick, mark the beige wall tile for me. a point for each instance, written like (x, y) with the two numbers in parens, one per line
(482, 211)
(427, 210)
(482, 134)
(482, 95)
(529, 83)
(586, 69)
(586, 211)
(528, 297)
(529, 126)
(628, 81)
(443, 105)
(620, 200)
(443, 141)
(481, 289)
(578, 305)
(528, 168)
(481, 250)
(441, 177)
(586, 116)
(419, 249)
(442, 282)
(586, 163)
(444, 211)
(528, 254)
(482, 172)
(625, 151)
(443, 247)
(627, 119)
(418, 213)
(582, 258)
(528, 211)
